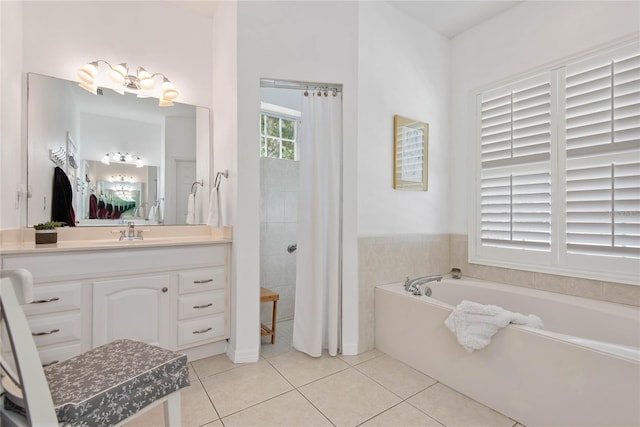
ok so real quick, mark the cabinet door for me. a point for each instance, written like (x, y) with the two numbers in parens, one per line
(136, 308)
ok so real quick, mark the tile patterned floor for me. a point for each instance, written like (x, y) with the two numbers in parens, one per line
(289, 388)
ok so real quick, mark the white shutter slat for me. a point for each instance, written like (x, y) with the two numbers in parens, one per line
(516, 210)
(515, 124)
(602, 105)
(603, 209)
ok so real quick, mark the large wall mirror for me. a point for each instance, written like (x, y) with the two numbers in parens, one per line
(126, 158)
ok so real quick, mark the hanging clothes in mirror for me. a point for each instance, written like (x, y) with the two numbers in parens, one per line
(62, 199)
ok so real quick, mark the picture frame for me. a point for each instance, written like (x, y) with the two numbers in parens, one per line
(410, 154)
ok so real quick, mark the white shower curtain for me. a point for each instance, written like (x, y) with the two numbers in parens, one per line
(317, 318)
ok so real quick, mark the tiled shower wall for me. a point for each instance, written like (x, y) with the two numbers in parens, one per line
(389, 259)
(278, 229)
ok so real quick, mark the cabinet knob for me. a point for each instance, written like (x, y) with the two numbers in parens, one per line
(165, 289)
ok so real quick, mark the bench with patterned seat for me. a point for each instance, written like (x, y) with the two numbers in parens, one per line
(101, 387)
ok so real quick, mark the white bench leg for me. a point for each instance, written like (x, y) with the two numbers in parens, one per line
(172, 417)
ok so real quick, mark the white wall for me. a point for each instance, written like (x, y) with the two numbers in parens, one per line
(288, 98)
(403, 68)
(225, 157)
(12, 152)
(56, 38)
(525, 37)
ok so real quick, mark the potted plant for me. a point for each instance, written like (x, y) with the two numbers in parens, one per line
(46, 232)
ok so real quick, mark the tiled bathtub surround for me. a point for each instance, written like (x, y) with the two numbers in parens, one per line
(389, 259)
(594, 289)
(278, 229)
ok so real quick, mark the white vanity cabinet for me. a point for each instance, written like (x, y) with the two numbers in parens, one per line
(54, 318)
(136, 308)
(173, 296)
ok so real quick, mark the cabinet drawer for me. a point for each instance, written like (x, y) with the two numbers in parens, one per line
(53, 329)
(202, 280)
(201, 304)
(206, 329)
(53, 298)
(57, 353)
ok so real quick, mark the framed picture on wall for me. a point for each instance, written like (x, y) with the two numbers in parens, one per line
(410, 149)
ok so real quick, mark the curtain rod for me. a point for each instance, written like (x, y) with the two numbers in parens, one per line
(289, 84)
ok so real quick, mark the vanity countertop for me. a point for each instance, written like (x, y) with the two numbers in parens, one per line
(22, 241)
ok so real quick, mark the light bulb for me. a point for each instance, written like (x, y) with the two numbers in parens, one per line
(168, 91)
(165, 103)
(89, 87)
(146, 80)
(118, 73)
(88, 72)
(139, 163)
(106, 159)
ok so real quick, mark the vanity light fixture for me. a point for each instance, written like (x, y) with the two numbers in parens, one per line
(122, 178)
(124, 158)
(140, 82)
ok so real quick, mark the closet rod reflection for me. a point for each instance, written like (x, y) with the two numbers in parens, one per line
(278, 84)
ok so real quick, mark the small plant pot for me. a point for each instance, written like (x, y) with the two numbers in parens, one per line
(46, 236)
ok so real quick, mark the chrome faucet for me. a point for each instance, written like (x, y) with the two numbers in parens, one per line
(413, 285)
(130, 232)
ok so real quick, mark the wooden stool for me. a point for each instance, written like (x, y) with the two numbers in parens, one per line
(265, 296)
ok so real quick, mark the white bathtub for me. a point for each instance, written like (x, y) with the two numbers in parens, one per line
(583, 369)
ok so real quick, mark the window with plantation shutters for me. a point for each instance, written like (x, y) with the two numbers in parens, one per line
(602, 123)
(558, 183)
(515, 182)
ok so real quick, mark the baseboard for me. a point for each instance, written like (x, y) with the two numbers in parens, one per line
(349, 349)
(247, 356)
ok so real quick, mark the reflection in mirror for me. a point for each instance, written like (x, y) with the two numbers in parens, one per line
(125, 154)
(120, 192)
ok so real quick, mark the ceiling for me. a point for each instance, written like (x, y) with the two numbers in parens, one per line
(449, 18)
(453, 17)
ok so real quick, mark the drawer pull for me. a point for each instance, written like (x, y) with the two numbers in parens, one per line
(50, 363)
(202, 331)
(203, 305)
(43, 301)
(202, 281)
(39, 334)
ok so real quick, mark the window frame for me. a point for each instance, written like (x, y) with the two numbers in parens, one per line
(280, 113)
(559, 260)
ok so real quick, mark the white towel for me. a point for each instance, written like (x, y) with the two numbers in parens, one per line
(215, 213)
(474, 324)
(191, 209)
